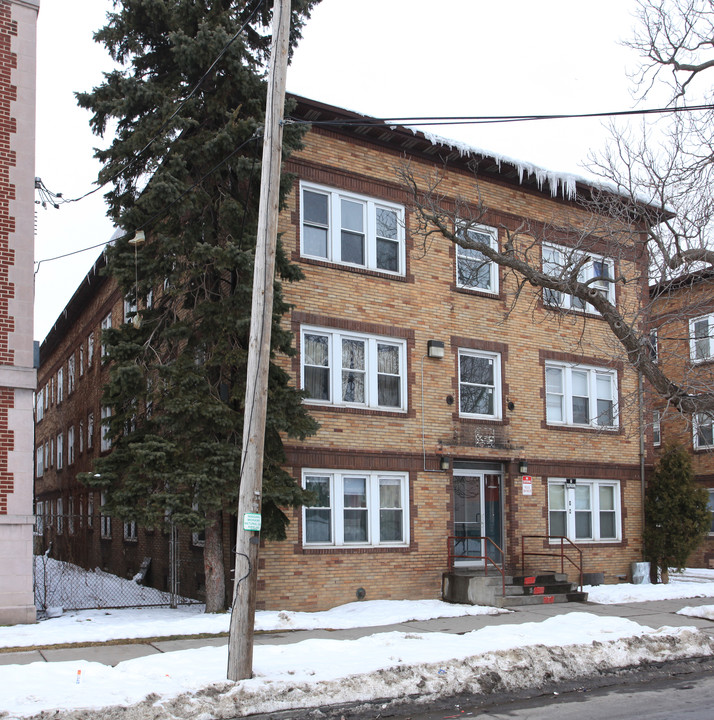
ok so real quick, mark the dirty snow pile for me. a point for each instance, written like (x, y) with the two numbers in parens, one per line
(191, 683)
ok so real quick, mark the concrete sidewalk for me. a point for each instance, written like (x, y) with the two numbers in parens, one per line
(652, 614)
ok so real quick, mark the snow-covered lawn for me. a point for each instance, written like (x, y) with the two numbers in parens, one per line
(191, 684)
(84, 626)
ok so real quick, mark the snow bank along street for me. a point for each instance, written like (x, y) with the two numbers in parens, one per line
(317, 672)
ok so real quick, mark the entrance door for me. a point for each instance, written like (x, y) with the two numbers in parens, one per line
(477, 514)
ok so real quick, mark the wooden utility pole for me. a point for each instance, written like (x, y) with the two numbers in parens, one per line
(240, 642)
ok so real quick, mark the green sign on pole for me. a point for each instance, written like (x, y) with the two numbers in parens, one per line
(252, 521)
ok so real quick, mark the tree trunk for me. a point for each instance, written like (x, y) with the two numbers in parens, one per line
(664, 575)
(213, 564)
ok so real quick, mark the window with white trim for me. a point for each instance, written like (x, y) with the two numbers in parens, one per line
(60, 385)
(352, 229)
(40, 461)
(106, 440)
(90, 349)
(90, 430)
(70, 515)
(90, 510)
(48, 455)
(656, 428)
(47, 396)
(39, 518)
(52, 452)
(130, 531)
(474, 270)
(81, 360)
(479, 384)
(356, 509)
(60, 451)
(106, 325)
(597, 271)
(580, 395)
(710, 507)
(105, 521)
(40, 405)
(129, 309)
(653, 344)
(70, 445)
(81, 436)
(703, 431)
(71, 365)
(60, 517)
(352, 369)
(584, 510)
(701, 338)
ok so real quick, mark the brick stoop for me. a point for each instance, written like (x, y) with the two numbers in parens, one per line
(475, 588)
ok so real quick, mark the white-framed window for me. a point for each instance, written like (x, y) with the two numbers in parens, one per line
(39, 518)
(60, 385)
(129, 309)
(584, 510)
(580, 395)
(90, 349)
(81, 436)
(81, 360)
(40, 461)
(90, 430)
(60, 517)
(90, 510)
(40, 405)
(352, 229)
(106, 441)
(52, 390)
(703, 431)
(701, 338)
(653, 344)
(130, 532)
(47, 396)
(60, 451)
(473, 269)
(105, 325)
(52, 452)
(710, 507)
(70, 515)
(71, 369)
(70, 445)
(105, 521)
(479, 384)
(356, 508)
(656, 428)
(597, 271)
(352, 369)
(48, 455)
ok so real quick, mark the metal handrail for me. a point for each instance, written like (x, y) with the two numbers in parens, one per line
(450, 550)
(563, 557)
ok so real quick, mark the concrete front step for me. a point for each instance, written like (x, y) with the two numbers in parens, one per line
(477, 589)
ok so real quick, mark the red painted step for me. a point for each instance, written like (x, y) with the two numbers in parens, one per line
(548, 599)
(538, 590)
(529, 581)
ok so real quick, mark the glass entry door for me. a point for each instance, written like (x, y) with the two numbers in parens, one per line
(477, 514)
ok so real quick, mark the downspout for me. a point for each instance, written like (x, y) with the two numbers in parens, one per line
(641, 410)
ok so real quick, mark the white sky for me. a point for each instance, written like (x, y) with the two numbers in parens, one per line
(319, 671)
(378, 57)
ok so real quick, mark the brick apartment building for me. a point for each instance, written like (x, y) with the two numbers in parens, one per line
(18, 21)
(446, 409)
(683, 318)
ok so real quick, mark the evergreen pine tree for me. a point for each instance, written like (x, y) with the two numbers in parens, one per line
(676, 513)
(185, 166)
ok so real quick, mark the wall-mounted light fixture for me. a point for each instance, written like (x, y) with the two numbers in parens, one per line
(523, 467)
(138, 239)
(444, 462)
(435, 349)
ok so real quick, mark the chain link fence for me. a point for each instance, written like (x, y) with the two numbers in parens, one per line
(80, 567)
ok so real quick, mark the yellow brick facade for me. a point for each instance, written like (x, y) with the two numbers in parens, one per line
(424, 305)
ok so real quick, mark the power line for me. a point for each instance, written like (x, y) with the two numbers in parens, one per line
(166, 122)
(490, 119)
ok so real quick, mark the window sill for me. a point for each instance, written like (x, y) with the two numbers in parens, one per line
(396, 412)
(357, 269)
(333, 549)
(583, 428)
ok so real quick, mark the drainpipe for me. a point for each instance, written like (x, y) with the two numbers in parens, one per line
(641, 410)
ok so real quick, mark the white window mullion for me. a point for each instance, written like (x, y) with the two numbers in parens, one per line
(335, 228)
(371, 232)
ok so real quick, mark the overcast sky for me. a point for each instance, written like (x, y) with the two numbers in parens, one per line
(379, 57)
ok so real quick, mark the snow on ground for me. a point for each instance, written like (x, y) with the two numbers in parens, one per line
(191, 684)
(100, 625)
(690, 583)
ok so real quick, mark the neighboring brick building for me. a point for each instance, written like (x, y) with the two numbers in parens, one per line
(432, 388)
(18, 20)
(683, 318)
